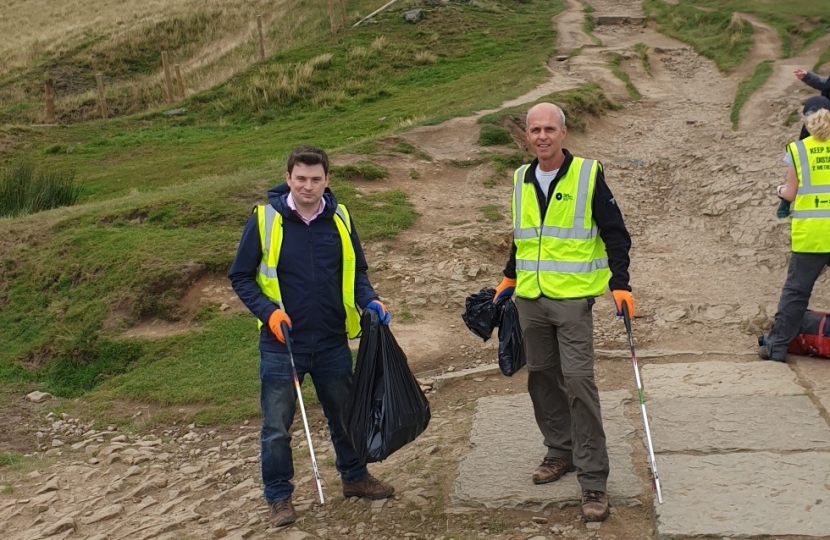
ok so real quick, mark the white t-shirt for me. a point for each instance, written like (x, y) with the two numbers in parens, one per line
(545, 178)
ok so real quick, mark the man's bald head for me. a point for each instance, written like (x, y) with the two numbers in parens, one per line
(544, 109)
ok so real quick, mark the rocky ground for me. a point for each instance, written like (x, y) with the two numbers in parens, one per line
(708, 262)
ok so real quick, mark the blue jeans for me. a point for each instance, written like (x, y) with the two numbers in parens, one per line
(331, 373)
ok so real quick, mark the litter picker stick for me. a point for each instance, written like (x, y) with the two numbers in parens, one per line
(654, 477)
(284, 328)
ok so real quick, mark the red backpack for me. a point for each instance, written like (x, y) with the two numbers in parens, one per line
(813, 338)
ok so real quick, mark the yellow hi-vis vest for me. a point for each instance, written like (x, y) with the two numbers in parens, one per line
(270, 234)
(810, 229)
(564, 257)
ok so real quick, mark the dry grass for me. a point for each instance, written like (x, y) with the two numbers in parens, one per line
(70, 40)
(425, 57)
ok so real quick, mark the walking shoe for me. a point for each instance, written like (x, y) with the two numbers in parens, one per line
(369, 488)
(594, 505)
(282, 513)
(763, 354)
(551, 469)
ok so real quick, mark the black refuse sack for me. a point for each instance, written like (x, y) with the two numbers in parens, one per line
(511, 344)
(387, 409)
(481, 314)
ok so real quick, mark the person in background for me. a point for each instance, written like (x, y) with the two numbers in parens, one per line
(808, 188)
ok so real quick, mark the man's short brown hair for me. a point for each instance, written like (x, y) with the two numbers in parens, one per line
(308, 155)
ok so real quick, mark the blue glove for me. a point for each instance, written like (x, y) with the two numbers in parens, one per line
(783, 209)
(378, 307)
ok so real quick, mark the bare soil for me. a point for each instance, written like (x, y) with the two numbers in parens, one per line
(708, 261)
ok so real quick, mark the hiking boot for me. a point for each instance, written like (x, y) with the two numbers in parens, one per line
(551, 469)
(763, 354)
(282, 513)
(369, 487)
(594, 505)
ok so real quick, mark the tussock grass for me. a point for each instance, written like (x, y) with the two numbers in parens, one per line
(491, 135)
(719, 35)
(362, 170)
(614, 62)
(25, 190)
(491, 213)
(762, 72)
(641, 50)
(9, 458)
(578, 104)
(425, 57)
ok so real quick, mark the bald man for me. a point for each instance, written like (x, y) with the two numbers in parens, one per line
(569, 244)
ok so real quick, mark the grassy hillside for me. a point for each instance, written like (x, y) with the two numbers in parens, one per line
(165, 197)
(710, 27)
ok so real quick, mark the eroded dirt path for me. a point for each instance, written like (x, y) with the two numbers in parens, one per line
(707, 265)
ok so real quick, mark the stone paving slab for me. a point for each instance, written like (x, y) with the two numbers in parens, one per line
(773, 423)
(744, 494)
(507, 447)
(718, 379)
(816, 373)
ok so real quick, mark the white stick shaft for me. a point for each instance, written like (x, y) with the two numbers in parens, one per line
(308, 438)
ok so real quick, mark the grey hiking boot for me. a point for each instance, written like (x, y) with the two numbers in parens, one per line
(551, 470)
(281, 513)
(594, 505)
(763, 354)
(369, 487)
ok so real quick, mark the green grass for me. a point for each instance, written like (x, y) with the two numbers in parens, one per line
(641, 49)
(492, 135)
(362, 170)
(762, 72)
(588, 26)
(823, 59)
(9, 458)
(713, 34)
(798, 22)
(491, 213)
(164, 199)
(25, 190)
(578, 104)
(614, 62)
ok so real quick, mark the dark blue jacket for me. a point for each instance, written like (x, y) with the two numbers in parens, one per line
(310, 270)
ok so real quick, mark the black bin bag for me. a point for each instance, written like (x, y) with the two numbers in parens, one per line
(511, 344)
(481, 315)
(387, 409)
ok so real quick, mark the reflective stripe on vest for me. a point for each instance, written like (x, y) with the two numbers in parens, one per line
(270, 234)
(810, 229)
(564, 257)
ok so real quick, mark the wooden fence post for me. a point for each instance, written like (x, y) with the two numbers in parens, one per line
(261, 41)
(179, 81)
(101, 101)
(343, 12)
(332, 17)
(168, 80)
(50, 102)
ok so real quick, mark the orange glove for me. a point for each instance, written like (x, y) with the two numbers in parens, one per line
(621, 296)
(275, 321)
(507, 286)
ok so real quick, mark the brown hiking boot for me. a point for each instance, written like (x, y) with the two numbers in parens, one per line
(594, 505)
(551, 469)
(282, 513)
(370, 488)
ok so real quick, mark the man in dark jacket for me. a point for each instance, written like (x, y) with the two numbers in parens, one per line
(300, 256)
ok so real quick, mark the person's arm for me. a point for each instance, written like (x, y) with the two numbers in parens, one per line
(363, 290)
(510, 268)
(814, 80)
(788, 190)
(613, 232)
(243, 273)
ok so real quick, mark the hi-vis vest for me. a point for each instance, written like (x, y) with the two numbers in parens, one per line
(810, 229)
(564, 257)
(270, 234)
